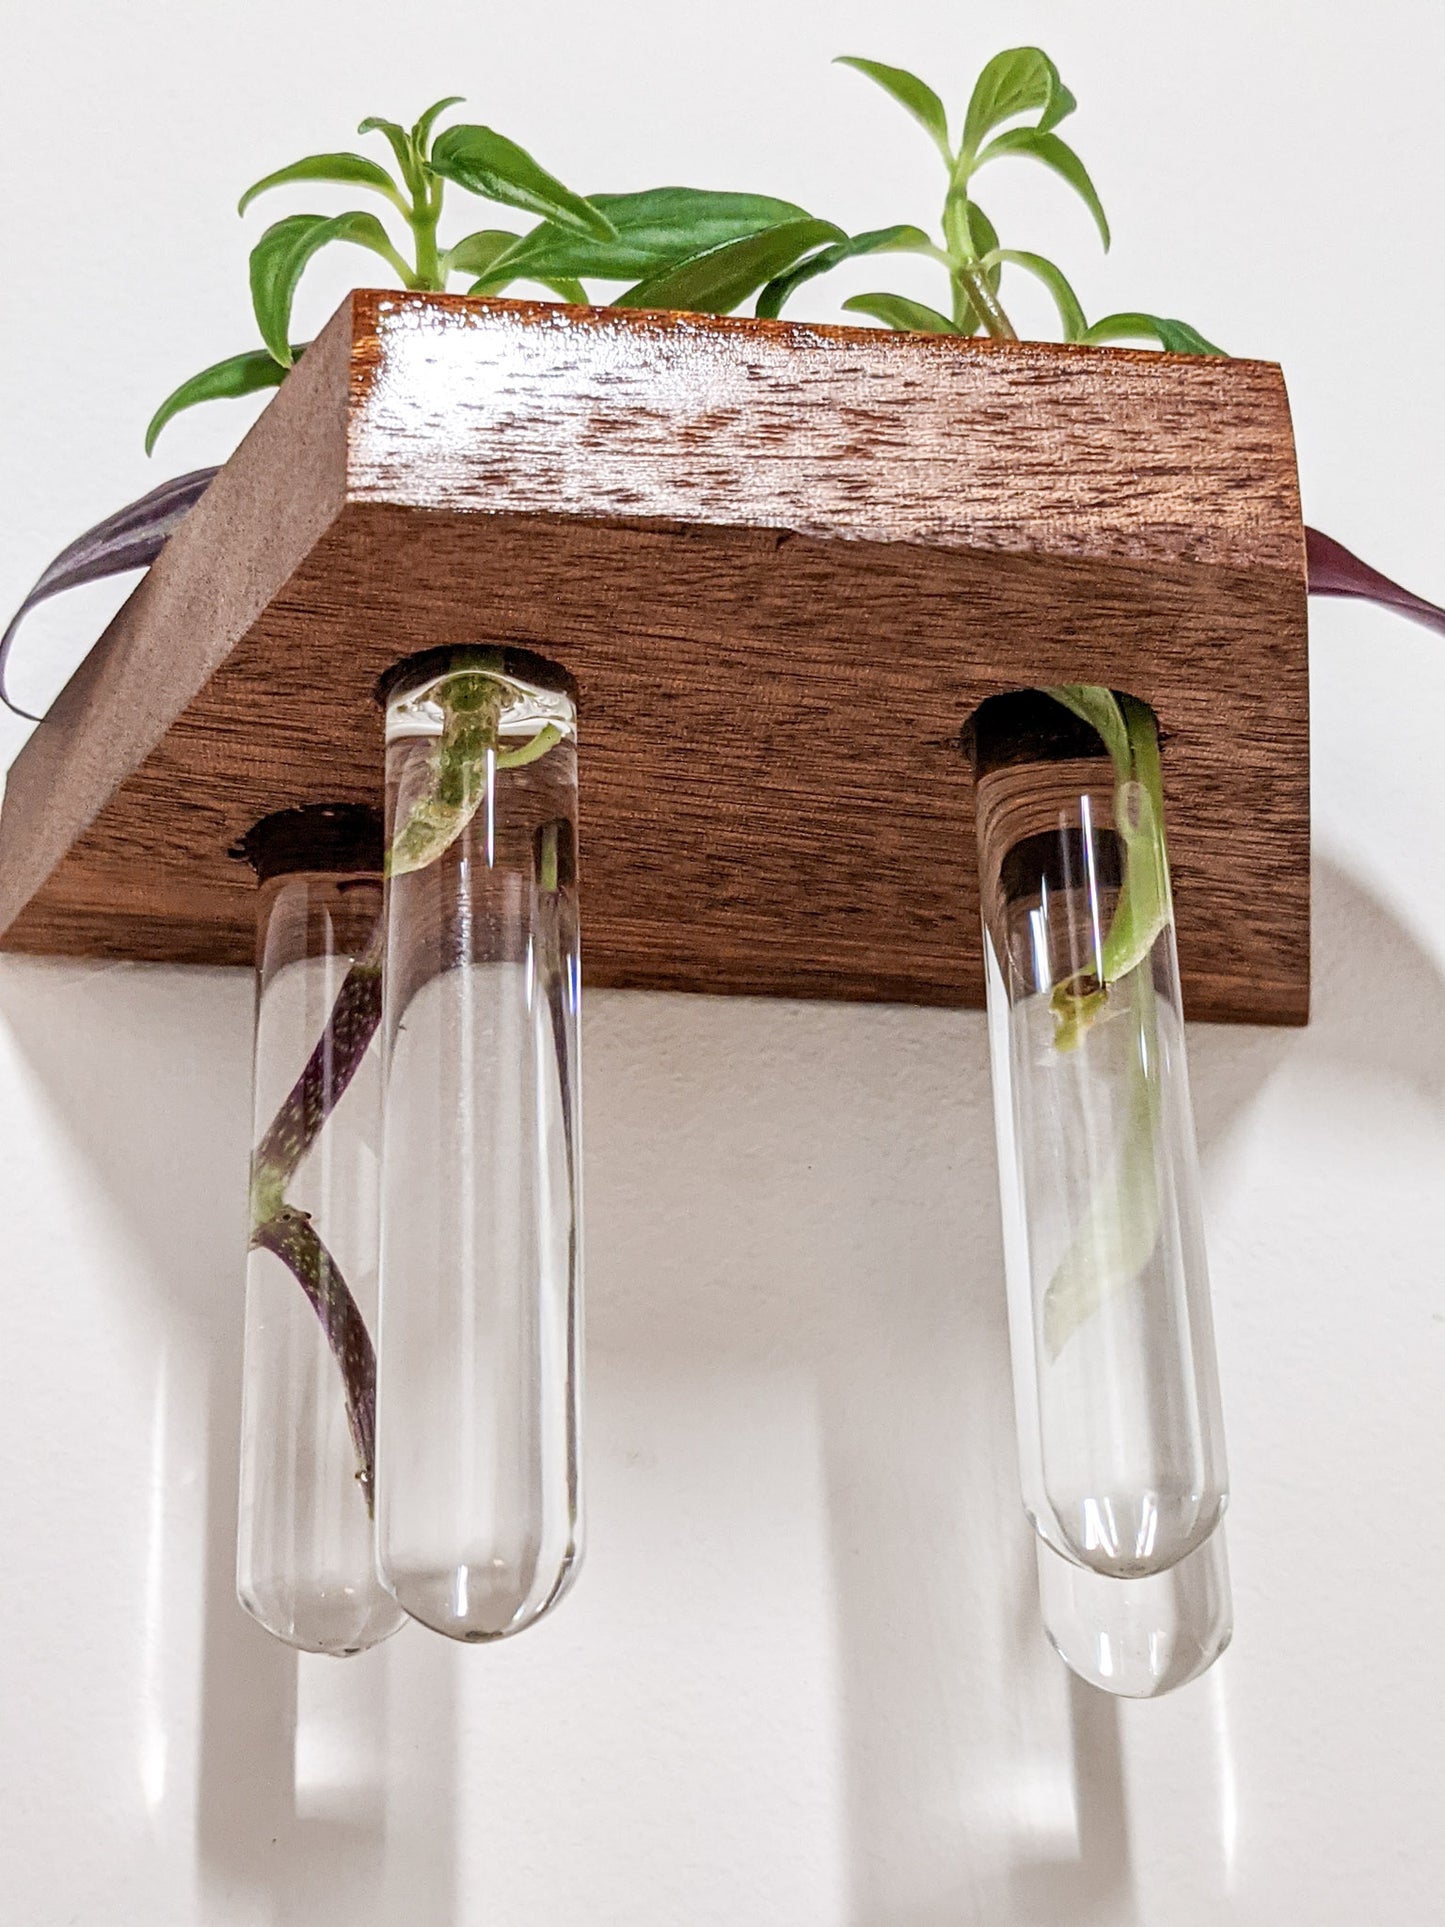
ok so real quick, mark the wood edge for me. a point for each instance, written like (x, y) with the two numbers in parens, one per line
(281, 489)
(369, 303)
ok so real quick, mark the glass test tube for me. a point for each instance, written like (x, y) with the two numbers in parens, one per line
(1116, 1389)
(478, 1499)
(305, 1563)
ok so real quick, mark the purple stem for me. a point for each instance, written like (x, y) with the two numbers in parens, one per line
(1333, 570)
(288, 1232)
(292, 1237)
(330, 1068)
(132, 538)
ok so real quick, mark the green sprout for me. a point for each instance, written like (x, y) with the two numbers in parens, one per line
(1020, 83)
(705, 251)
(1120, 1228)
(680, 247)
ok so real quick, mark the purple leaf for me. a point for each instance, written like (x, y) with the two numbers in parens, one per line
(132, 538)
(1332, 570)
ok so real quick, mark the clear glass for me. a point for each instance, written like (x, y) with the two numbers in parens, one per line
(1139, 1638)
(1116, 1387)
(478, 1490)
(305, 1564)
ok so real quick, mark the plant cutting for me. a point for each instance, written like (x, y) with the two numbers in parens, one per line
(690, 247)
(478, 1492)
(712, 253)
(1117, 1400)
(1016, 105)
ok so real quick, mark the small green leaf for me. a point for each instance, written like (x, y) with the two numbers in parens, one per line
(910, 92)
(421, 133)
(223, 381)
(352, 170)
(902, 315)
(1071, 314)
(1015, 82)
(281, 254)
(475, 253)
(716, 281)
(883, 240)
(1175, 337)
(654, 229)
(1056, 154)
(400, 143)
(487, 163)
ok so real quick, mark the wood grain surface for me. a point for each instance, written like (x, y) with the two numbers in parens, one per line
(784, 563)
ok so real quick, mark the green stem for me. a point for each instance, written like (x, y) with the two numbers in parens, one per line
(970, 280)
(424, 217)
(975, 279)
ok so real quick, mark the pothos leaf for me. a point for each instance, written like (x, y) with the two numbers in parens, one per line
(352, 170)
(223, 380)
(656, 228)
(716, 281)
(280, 256)
(1175, 337)
(1015, 82)
(902, 315)
(1056, 154)
(883, 240)
(1071, 314)
(910, 92)
(487, 163)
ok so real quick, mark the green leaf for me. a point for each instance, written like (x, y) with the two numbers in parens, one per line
(1175, 337)
(352, 170)
(883, 240)
(910, 92)
(278, 258)
(653, 229)
(902, 315)
(1015, 82)
(562, 286)
(1053, 278)
(421, 133)
(400, 143)
(715, 282)
(1056, 154)
(222, 381)
(487, 163)
(475, 253)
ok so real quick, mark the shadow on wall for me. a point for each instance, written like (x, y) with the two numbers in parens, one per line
(849, 1223)
(815, 1187)
(290, 1791)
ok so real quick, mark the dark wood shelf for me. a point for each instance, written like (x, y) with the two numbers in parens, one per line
(784, 563)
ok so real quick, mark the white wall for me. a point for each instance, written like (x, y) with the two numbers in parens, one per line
(801, 1681)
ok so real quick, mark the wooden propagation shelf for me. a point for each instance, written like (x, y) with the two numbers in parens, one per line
(784, 563)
